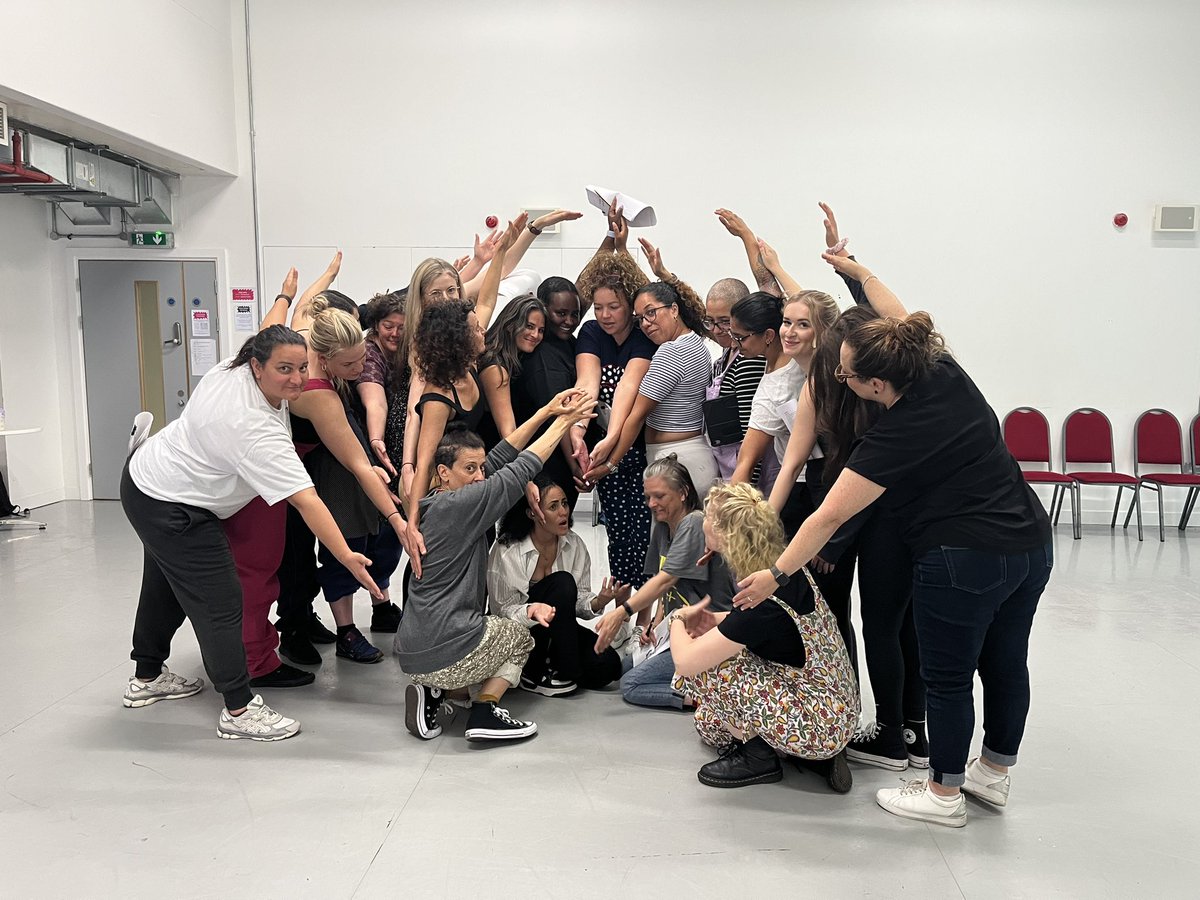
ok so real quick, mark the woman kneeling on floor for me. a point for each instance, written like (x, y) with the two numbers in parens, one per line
(768, 680)
(540, 576)
(445, 641)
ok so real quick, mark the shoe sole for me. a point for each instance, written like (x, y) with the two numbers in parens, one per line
(146, 701)
(879, 762)
(550, 691)
(359, 659)
(229, 736)
(765, 778)
(414, 714)
(291, 683)
(918, 762)
(994, 798)
(948, 821)
(374, 630)
(300, 660)
(508, 734)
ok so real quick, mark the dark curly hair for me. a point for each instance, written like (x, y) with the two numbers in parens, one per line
(516, 525)
(445, 345)
(500, 348)
(383, 305)
(679, 295)
(616, 271)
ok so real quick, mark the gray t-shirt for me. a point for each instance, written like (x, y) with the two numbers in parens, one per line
(677, 554)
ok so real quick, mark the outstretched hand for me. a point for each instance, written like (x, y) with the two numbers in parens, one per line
(291, 282)
(533, 496)
(553, 218)
(734, 223)
(515, 227)
(768, 256)
(617, 224)
(848, 267)
(485, 249)
(335, 266)
(654, 258)
(356, 564)
(832, 238)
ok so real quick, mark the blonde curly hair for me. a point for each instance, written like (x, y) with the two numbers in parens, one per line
(747, 525)
(616, 271)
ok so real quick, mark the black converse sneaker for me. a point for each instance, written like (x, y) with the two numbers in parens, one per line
(879, 745)
(918, 746)
(489, 722)
(421, 705)
(550, 685)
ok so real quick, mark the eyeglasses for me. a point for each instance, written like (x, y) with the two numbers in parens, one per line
(718, 325)
(448, 294)
(648, 315)
(842, 376)
(738, 338)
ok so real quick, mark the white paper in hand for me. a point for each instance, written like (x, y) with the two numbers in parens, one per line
(662, 641)
(637, 213)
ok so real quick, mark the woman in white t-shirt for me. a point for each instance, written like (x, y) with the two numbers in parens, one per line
(231, 444)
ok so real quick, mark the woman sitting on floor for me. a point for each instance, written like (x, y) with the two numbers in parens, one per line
(772, 679)
(540, 576)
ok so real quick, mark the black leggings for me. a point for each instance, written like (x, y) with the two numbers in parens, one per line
(835, 586)
(566, 647)
(298, 585)
(885, 579)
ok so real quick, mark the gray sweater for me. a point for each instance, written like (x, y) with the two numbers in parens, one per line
(444, 609)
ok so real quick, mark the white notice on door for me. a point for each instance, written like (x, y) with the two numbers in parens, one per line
(204, 356)
(201, 324)
(243, 317)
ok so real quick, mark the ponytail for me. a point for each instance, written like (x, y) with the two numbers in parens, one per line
(260, 346)
(677, 477)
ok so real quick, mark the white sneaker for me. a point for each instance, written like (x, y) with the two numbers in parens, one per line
(167, 686)
(258, 723)
(142, 423)
(986, 784)
(916, 801)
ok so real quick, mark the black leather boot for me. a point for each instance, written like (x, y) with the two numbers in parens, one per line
(753, 762)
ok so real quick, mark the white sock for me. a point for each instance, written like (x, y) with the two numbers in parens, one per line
(944, 801)
(983, 763)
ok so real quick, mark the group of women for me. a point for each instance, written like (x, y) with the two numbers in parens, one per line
(750, 453)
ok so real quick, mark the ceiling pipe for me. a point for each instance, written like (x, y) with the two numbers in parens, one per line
(16, 173)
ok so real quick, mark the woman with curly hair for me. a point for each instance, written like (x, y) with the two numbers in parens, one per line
(382, 387)
(611, 358)
(774, 679)
(668, 411)
(516, 333)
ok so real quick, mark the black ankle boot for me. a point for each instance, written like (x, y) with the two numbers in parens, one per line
(753, 762)
(296, 646)
(835, 771)
(385, 618)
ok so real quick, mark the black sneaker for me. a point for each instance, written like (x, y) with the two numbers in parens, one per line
(421, 705)
(284, 677)
(385, 618)
(878, 745)
(316, 631)
(549, 686)
(835, 771)
(740, 765)
(353, 646)
(916, 744)
(489, 722)
(297, 647)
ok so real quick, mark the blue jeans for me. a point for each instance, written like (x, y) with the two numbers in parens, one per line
(650, 683)
(973, 610)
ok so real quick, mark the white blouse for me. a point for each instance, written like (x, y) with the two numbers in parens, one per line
(511, 566)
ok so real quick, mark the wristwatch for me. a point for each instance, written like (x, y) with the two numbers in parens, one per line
(628, 609)
(780, 578)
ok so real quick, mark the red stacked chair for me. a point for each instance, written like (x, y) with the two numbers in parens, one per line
(1027, 435)
(1087, 438)
(1158, 441)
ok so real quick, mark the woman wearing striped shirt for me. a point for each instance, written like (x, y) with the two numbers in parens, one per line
(670, 400)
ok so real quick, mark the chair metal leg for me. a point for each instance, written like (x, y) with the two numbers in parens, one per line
(1076, 511)
(1137, 501)
(1117, 508)
(1055, 504)
(1188, 505)
(1128, 512)
(1162, 535)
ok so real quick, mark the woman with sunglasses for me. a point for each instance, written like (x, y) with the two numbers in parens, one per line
(669, 406)
(979, 539)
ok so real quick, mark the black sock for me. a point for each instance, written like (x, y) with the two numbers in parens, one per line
(343, 630)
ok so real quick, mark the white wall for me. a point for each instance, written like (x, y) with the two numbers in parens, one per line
(975, 155)
(154, 79)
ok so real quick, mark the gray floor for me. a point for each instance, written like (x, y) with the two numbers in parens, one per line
(101, 801)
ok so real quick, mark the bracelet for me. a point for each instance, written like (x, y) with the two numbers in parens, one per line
(628, 609)
(279, 297)
(611, 233)
(533, 229)
(410, 465)
(867, 280)
(675, 617)
(396, 513)
(376, 440)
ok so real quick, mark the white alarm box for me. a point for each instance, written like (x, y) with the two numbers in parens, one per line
(1176, 218)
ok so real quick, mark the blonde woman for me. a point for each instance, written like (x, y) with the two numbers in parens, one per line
(774, 679)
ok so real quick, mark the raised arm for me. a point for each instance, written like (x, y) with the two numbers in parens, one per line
(300, 315)
(880, 296)
(771, 260)
(278, 313)
(530, 233)
(485, 249)
(799, 447)
(739, 229)
(486, 304)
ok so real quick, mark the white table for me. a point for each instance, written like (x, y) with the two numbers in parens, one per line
(18, 521)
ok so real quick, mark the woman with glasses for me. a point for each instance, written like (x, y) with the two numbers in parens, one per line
(669, 407)
(979, 541)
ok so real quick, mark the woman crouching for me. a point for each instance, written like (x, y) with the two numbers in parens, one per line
(768, 680)
(445, 641)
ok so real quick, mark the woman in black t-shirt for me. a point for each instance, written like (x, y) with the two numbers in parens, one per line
(770, 679)
(979, 538)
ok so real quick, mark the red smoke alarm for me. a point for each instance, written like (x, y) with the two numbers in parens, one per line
(1120, 220)
(491, 221)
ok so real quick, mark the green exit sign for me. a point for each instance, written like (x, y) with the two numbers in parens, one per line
(152, 239)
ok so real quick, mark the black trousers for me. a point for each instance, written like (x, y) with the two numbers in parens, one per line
(885, 590)
(566, 647)
(187, 571)
(835, 586)
(298, 586)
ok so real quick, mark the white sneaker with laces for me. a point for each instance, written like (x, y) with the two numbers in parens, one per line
(916, 801)
(167, 686)
(986, 784)
(258, 723)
